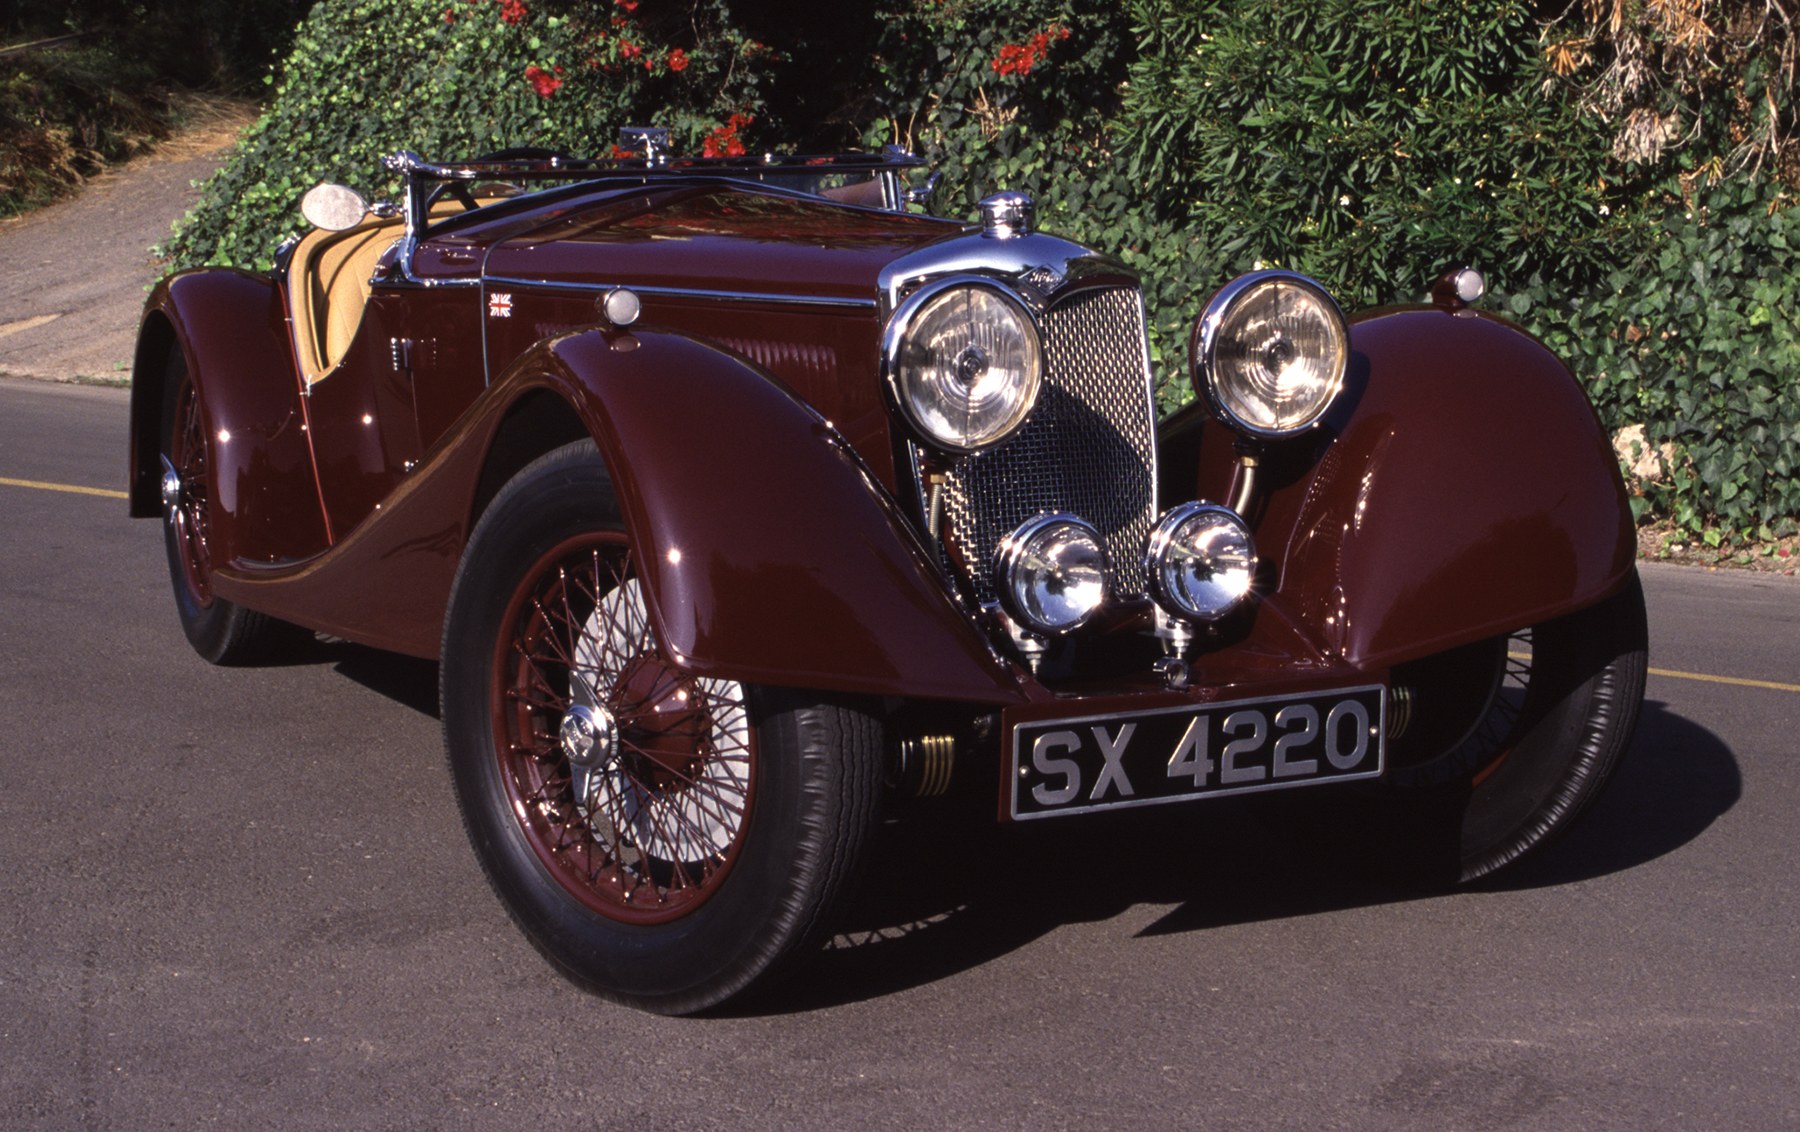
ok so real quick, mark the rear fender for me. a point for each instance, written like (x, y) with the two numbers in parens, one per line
(769, 552)
(231, 329)
(1463, 488)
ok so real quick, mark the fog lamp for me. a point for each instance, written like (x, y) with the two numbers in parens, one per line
(1051, 573)
(1201, 561)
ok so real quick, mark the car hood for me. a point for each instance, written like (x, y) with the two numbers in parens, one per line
(712, 237)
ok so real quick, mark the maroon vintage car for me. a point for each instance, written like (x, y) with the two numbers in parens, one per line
(734, 497)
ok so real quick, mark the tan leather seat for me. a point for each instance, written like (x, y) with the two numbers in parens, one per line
(328, 281)
(328, 284)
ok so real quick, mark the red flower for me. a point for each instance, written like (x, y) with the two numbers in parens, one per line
(629, 50)
(724, 141)
(449, 15)
(512, 11)
(1019, 58)
(678, 60)
(628, 5)
(542, 81)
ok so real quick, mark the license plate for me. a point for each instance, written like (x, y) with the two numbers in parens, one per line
(1107, 762)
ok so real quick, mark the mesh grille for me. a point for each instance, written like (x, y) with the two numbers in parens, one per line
(1087, 448)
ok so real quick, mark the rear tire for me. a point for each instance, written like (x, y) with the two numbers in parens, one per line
(667, 840)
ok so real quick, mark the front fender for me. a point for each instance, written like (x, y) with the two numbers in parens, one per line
(231, 330)
(1463, 488)
(768, 551)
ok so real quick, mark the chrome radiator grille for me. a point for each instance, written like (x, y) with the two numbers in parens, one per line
(1088, 447)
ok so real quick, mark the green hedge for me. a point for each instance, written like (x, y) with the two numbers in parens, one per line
(1694, 335)
(1373, 144)
(458, 78)
(1368, 143)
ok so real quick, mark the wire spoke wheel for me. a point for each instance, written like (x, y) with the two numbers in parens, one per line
(668, 839)
(652, 826)
(188, 514)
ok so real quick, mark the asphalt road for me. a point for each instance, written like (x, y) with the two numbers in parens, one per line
(243, 898)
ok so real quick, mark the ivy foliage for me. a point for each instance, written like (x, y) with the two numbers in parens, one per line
(1371, 145)
(994, 95)
(460, 78)
(1695, 335)
(1367, 143)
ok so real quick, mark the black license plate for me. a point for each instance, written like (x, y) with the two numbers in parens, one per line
(1107, 762)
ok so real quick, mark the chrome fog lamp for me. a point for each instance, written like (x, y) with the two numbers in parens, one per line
(1050, 573)
(1269, 353)
(1201, 560)
(964, 363)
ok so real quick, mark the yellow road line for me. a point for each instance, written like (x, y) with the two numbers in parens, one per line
(68, 487)
(1701, 676)
(1738, 680)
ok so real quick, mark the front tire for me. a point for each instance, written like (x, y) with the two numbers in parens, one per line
(1532, 728)
(670, 841)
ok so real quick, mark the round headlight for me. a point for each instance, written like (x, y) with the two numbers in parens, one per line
(1269, 353)
(1051, 573)
(965, 364)
(1200, 560)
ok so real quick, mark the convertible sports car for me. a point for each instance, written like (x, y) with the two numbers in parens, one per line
(735, 496)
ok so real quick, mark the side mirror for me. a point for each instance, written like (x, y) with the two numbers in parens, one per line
(333, 207)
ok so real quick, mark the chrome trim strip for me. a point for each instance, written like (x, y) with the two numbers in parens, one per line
(429, 282)
(1150, 399)
(688, 293)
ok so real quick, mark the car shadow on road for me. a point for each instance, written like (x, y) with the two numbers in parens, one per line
(407, 680)
(949, 891)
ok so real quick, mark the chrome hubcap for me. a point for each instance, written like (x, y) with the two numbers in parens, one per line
(171, 488)
(590, 741)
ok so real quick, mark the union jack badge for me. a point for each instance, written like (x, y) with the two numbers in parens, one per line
(500, 305)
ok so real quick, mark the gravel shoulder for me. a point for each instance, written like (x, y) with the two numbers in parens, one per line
(73, 275)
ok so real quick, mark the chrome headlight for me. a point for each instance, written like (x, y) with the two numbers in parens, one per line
(1200, 560)
(964, 362)
(1050, 573)
(1269, 353)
